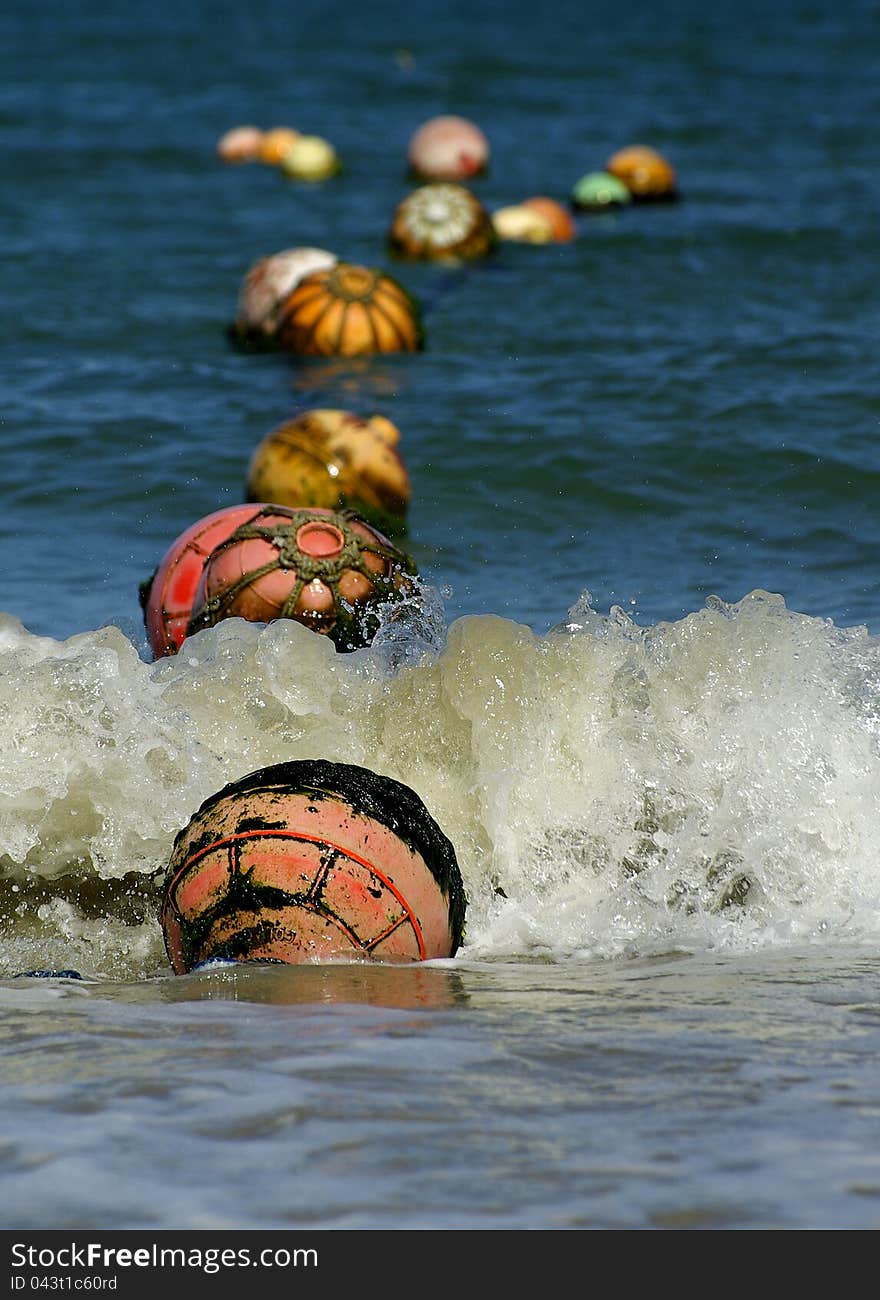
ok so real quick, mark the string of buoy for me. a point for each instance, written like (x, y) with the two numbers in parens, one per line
(319, 860)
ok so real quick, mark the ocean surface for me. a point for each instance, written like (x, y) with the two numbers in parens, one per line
(640, 687)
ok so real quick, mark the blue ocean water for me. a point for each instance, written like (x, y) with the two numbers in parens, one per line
(644, 470)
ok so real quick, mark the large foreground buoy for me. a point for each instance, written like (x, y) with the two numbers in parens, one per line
(448, 148)
(441, 222)
(312, 861)
(329, 570)
(349, 311)
(333, 459)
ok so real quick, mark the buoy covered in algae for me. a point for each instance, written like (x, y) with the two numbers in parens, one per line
(310, 861)
(333, 459)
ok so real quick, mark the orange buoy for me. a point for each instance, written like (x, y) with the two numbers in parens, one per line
(276, 143)
(266, 285)
(648, 176)
(333, 459)
(311, 861)
(167, 597)
(329, 570)
(561, 222)
(350, 311)
(448, 148)
(441, 222)
(241, 144)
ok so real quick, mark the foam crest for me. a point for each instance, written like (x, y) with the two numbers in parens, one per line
(609, 788)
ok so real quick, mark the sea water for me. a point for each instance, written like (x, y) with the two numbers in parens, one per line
(638, 686)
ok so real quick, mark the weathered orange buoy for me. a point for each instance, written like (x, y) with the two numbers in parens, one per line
(265, 287)
(448, 148)
(311, 861)
(276, 143)
(441, 222)
(167, 597)
(241, 144)
(333, 459)
(349, 311)
(648, 176)
(329, 570)
(561, 222)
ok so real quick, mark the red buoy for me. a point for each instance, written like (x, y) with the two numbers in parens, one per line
(167, 597)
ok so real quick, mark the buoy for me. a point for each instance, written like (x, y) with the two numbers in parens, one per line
(350, 311)
(310, 158)
(333, 459)
(241, 144)
(448, 148)
(329, 570)
(648, 176)
(268, 282)
(561, 224)
(311, 861)
(167, 597)
(276, 143)
(599, 191)
(442, 222)
(522, 224)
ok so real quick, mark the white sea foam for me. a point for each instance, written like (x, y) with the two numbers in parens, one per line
(609, 788)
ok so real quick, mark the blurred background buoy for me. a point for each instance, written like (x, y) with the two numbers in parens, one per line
(562, 227)
(599, 191)
(310, 158)
(448, 148)
(310, 861)
(241, 144)
(334, 459)
(441, 221)
(349, 310)
(522, 224)
(647, 174)
(329, 570)
(267, 283)
(275, 144)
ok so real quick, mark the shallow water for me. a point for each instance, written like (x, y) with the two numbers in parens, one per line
(639, 689)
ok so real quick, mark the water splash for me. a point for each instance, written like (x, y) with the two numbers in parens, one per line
(610, 788)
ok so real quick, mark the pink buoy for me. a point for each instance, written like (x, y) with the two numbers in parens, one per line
(448, 148)
(167, 597)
